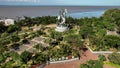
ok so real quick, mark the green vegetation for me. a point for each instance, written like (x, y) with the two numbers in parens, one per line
(39, 58)
(114, 58)
(112, 64)
(102, 58)
(39, 47)
(26, 56)
(92, 64)
(112, 41)
(15, 56)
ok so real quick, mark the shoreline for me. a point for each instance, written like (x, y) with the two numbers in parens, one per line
(73, 15)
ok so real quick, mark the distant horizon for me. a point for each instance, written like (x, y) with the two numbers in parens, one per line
(60, 2)
(61, 5)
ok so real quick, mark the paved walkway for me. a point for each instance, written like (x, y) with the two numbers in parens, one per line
(29, 47)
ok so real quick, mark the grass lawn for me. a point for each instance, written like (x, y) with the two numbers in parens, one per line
(112, 64)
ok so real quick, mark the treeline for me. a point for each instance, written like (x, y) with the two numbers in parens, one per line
(44, 20)
(27, 21)
(113, 16)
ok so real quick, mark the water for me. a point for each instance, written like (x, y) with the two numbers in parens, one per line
(33, 11)
(87, 14)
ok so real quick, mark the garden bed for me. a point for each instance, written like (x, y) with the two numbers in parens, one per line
(100, 52)
(63, 61)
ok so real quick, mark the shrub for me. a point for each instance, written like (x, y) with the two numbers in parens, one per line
(15, 46)
(25, 56)
(115, 58)
(102, 58)
(2, 58)
(84, 66)
(25, 41)
(92, 64)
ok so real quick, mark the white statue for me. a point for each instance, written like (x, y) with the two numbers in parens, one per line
(61, 18)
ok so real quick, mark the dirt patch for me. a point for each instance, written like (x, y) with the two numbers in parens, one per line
(51, 25)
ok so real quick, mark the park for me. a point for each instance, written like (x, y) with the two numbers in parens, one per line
(31, 42)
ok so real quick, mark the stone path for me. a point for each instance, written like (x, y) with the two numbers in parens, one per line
(29, 47)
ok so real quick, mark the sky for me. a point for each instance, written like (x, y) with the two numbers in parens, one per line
(62, 2)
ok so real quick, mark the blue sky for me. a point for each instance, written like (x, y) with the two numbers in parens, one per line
(62, 2)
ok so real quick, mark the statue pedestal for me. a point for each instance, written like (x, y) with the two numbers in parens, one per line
(61, 28)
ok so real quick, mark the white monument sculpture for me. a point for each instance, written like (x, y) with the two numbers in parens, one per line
(61, 19)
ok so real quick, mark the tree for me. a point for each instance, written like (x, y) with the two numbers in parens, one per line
(23, 36)
(55, 35)
(2, 27)
(2, 58)
(15, 38)
(65, 50)
(74, 40)
(13, 28)
(2, 52)
(112, 41)
(39, 47)
(5, 34)
(98, 39)
(112, 16)
(39, 58)
(24, 41)
(84, 66)
(92, 64)
(15, 56)
(114, 58)
(26, 56)
(7, 64)
(102, 58)
(15, 46)
(86, 31)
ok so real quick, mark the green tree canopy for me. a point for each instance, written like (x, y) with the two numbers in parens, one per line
(2, 27)
(26, 56)
(15, 56)
(39, 58)
(112, 41)
(15, 38)
(74, 40)
(86, 31)
(13, 28)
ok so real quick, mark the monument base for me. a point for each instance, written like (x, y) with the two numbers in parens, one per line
(61, 28)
